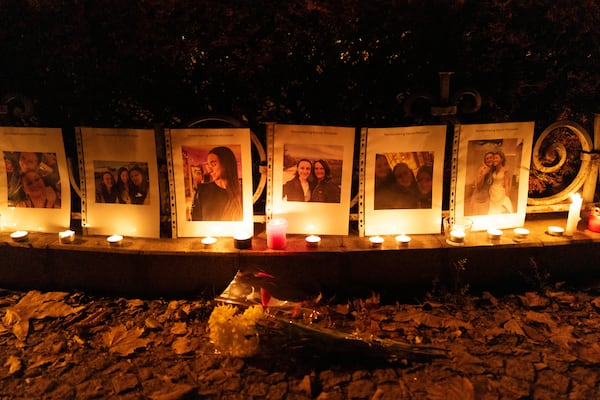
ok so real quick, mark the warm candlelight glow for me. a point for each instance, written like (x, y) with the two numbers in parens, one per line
(457, 235)
(114, 240)
(276, 229)
(494, 234)
(574, 214)
(209, 241)
(403, 240)
(376, 241)
(67, 236)
(520, 233)
(555, 231)
(19, 236)
(313, 241)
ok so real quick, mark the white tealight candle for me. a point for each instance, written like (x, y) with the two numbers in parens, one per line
(242, 241)
(114, 240)
(209, 241)
(555, 231)
(376, 241)
(520, 233)
(313, 241)
(19, 236)
(494, 234)
(67, 236)
(403, 240)
(457, 235)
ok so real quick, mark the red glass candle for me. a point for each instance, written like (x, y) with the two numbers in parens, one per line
(594, 221)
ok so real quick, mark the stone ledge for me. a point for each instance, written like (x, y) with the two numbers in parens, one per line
(340, 265)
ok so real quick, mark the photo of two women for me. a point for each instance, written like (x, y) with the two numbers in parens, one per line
(312, 173)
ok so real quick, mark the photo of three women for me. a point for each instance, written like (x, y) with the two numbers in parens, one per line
(129, 187)
(311, 182)
(399, 187)
(217, 187)
(33, 179)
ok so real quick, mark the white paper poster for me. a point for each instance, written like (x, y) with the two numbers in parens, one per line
(404, 180)
(212, 180)
(35, 193)
(120, 182)
(312, 177)
(493, 174)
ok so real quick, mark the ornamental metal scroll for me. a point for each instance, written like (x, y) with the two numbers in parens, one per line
(561, 162)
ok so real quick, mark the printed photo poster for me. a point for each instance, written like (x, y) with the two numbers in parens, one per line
(121, 182)
(404, 170)
(493, 174)
(35, 193)
(212, 174)
(312, 177)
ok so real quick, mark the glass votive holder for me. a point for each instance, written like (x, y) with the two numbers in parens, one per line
(456, 230)
(276, 233)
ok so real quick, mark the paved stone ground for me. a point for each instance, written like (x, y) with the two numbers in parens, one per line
(534, 345)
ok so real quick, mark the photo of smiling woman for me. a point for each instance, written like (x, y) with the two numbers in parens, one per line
(218, 197)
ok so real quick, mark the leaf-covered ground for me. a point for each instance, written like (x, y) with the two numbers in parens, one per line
(542, 345)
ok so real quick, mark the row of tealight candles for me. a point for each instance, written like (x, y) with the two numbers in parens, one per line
(455, 232)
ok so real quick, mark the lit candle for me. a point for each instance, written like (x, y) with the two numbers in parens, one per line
(403, 240)
(208, 241)
(574, 211)
(19, 236)
(313, 241)
(114, 240)
(494, 234)
(276, 228)
(594, 220)
(555, 231)
(376, 241)
(457, 235)
(67, 236)
(520, 233)
(242, 241)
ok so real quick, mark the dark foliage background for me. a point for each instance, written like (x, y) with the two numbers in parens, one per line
(137, 63)
(149, 63)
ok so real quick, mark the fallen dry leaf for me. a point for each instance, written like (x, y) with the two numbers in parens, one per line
(179, 328)
(124, 342)
(182, 345)
(562, 336)
(541, 318)
(514, 326)
(14, 364)
(590, 354)
(455, 388)
(533, 300)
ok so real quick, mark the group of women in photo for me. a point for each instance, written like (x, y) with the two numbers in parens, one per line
(399, 187)
(492, 186)
(129, 187)
(33, 180)
(312, 182)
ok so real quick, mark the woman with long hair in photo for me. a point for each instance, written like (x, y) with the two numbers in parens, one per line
(406, 188)
(107, 192)
(324, 191)
(424, 184)
(300, 187)
(221, 198)
(124, 184)
(139, 184)
(500, 202)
